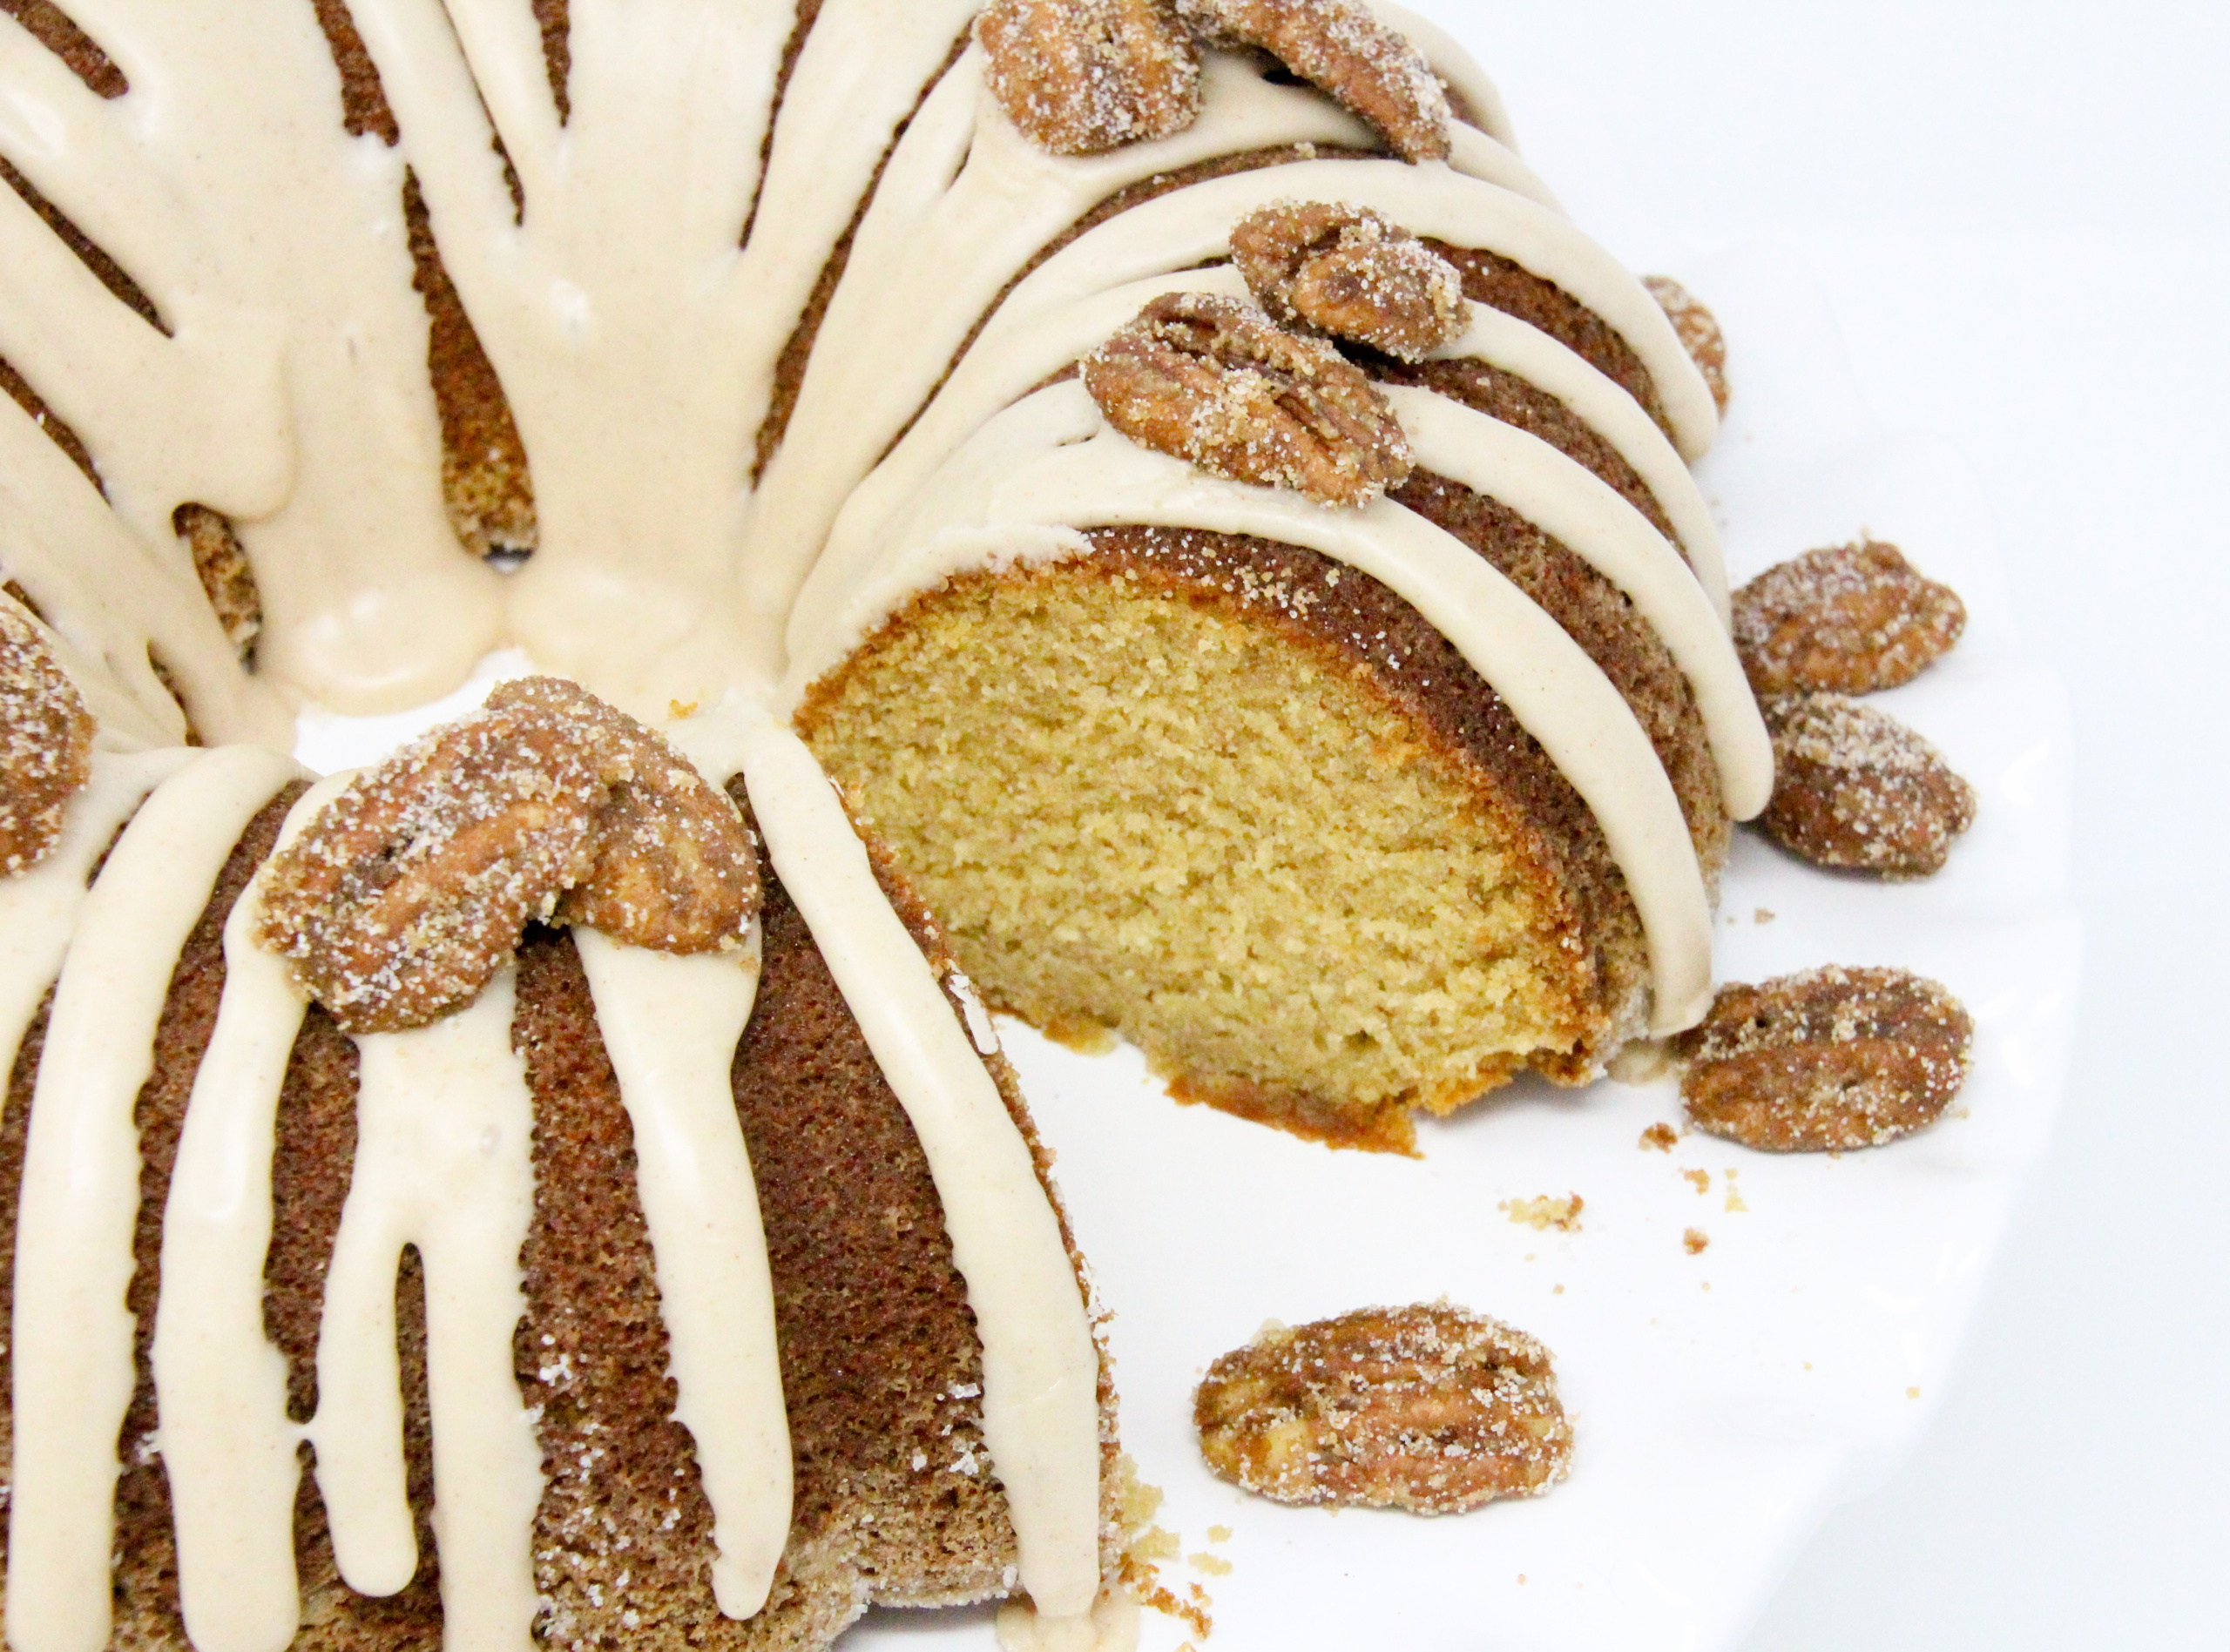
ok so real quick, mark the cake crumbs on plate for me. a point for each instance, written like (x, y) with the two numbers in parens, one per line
(1660, 1137)
(1546, 1212)
(1697, 1241)
(1700, 1179)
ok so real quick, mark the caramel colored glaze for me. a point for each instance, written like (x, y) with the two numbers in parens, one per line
(485, 483)
(1598, 617)
(146, 1584)
(108, 272)
(484, 479)
(1121, 201)
(1503, 395)
(111, 274)
(15, 1137)
(873, 1318)
(335, 1617)
(624, 1535)
(146, 1605)
(789, 366)
(311, 1161)
(310, 1169)
(1490, 279)
(1360, 623)
(18, 390)
(807, 11)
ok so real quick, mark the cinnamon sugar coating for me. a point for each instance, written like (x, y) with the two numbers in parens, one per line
(46, 744)
(1431, 1408)
(673, 868)
(1828, 1060)
(1330, 267)
(1697, 329)
(1084, 77)
(402, 899)
(1856, 789)
(1214, 382)
(1341, 47)
(1847, 620)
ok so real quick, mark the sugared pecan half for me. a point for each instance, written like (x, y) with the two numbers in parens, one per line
(1826, 1061)
(1853, 788)
(1084, 77)
(46, 744)
(1340, 46)
(1343, 270)
(406, 894)
(1434, 1409)
(1699, 331)
(674, 869)
(1847, 620)
(1217, 383)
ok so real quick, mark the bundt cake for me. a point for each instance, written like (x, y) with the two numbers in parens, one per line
(1169, 463)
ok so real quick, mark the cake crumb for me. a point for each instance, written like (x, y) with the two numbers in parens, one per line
(1660, 1137)
(1213, 1565)
(1735, 1202)
(1155, 1544)
(1218, 1533)
(680, 711)
(1700, 1179)
(1546, 1212)
(1696, 1239)
(1763, 915)
(1912, 1394)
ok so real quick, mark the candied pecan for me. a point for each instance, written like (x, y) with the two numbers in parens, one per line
(222, 566)
(1434, 1409)
(1699, 331)
(1346, 270)
(402, 899)
(1217, 383)
(1827, 1059)
(673, 868)
(1850, 619)
(1340, 46)
(1855, 788)
(1084, 77)
(46, 744)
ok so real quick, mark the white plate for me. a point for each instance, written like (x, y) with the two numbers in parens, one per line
(1722, 1402)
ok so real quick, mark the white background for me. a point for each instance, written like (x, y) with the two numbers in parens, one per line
(2021, 215)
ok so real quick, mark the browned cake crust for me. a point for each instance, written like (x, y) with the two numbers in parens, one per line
(880, 1362)
(1490, 279)
(1500, 395)
(797, 349)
